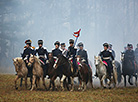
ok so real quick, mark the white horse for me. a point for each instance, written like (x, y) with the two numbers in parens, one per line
(102, 72)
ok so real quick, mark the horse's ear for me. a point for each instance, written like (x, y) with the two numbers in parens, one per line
(94, 56)
(13, 59)
(33, 55)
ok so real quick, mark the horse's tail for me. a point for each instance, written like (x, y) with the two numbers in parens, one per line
(119, 73)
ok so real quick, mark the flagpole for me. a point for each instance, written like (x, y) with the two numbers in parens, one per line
(75, 41)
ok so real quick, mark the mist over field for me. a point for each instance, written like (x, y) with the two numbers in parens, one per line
(112, 21)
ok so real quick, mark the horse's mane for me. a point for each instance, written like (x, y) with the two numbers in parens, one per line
(37, 60)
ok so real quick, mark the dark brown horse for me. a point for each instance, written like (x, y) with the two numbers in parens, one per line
(85, 74)
(53, 73)
(67, 70)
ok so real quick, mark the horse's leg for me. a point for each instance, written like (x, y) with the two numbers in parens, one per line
(135, 79)
(43, 79)
(84, 85)
(52, 82)
(21, 82)
(33, 82)
(26, 82)
(72, 84)
(61, 82)
(17, 77)
(124, 80)
(129, 80)
(80, 85)
(91, 81)
(102, 79)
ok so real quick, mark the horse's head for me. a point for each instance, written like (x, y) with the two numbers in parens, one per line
(31, 60)
(50, 56)
(17, 63)
(78, 58)
(97, 60)
(122, 56)
(59, 61)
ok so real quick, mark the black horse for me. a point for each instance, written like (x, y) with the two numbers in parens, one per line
(128, 69)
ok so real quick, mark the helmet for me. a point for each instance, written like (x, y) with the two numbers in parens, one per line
(63, 44)
(106, 45)
(80, 44)
(71, 41)
(28, 42)
(110, 45)
(57, 43)
(40, 42)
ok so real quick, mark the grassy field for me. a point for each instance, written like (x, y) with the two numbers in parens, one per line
(9, 94)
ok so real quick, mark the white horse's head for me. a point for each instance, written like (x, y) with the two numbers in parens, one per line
(122, 56)
(97, 60)
(17, 63)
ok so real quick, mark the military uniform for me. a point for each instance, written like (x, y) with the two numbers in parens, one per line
(72, 53)
(83, 54)
(26, 55)
(129, 56)
(106, 55)
(56, 51)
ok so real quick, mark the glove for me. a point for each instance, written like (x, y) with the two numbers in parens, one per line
(70, 58)
(47, 61)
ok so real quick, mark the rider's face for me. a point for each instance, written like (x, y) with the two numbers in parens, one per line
(27, 45)
(81, 48)
(62, 47)
(56, 46)
(40, 45)
(71, 44)
(105, 48)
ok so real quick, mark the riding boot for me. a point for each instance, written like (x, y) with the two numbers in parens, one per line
(96, 75)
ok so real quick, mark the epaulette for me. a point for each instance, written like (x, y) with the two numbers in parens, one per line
(102, 50)
(25, 46)
(75, 47)
(44, 47)
(53, 49)
(37, 47)
(33, 47)
(110, 50)
(85, 49)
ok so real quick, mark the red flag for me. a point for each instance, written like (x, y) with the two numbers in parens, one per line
(77, 34)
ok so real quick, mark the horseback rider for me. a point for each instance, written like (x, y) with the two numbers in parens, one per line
(113, 52)
(136, 54)
(71, 54)
(64, 50)
(56, 51)
(106, 54)
(43, 55)
(129, 55)
(83, 53)
(28, 49)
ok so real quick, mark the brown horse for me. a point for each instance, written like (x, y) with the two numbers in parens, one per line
(67, 70)
(85, 74)
(21, 69)
(54, 73)
(37, 71)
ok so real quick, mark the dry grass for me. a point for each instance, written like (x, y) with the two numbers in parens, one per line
(8, 93)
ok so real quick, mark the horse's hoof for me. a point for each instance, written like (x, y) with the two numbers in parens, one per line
(130, 83)
(71, 90)
(104, 87)
(109, 87)
(16, 88)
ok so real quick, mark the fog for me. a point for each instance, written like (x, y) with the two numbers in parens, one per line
(112, 21)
